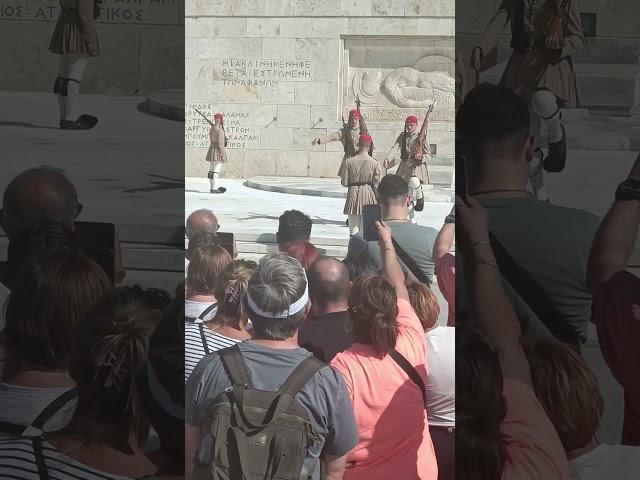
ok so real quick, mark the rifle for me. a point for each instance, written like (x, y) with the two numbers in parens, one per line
(212, 124)
(363, 125)
(422, 137)
(347, 142)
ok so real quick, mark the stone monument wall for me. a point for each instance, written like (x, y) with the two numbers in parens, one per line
(284, 72)
(142, 44)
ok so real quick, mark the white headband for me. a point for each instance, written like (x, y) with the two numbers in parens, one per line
(294, 308)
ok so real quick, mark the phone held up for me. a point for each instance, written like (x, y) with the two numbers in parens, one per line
(370, 215)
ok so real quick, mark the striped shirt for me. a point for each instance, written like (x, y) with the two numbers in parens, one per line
(18, 462)
(194, 348)
(193, 310)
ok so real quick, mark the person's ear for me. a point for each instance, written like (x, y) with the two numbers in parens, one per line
(529, 149)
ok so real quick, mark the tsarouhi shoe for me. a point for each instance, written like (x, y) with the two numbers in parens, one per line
(218, 190)
(557, 157)
(84, 122)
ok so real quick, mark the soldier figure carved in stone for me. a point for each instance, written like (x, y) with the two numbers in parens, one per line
(544, 34)
(75, 39)
(348, 135)
(361, 175)
(217, 154)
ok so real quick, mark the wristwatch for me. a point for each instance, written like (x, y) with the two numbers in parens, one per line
(628, 190)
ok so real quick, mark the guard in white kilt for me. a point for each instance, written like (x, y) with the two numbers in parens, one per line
(544, 35)
(75, 39)
(361, 176)
(217, 154)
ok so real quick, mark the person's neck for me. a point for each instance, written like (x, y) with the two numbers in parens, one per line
(288, 344)
(578, 452)
(498, 188)
(201, 298)
(239, 333)
(41, 377)
(431, 328)
(395, 213)
(331, 308)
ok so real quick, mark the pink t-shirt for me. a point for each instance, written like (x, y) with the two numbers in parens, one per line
(393, 433)
(446, 274)
(533, 448)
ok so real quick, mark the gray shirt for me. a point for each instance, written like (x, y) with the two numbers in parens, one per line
(416, 240)
(551, 243)
(325, 396)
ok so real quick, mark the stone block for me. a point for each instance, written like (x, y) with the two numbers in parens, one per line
(240, 94)
(263, 27)
(311, 93)
(205, 47)
(330, 27)
(329, 116)
(324, 164)
(229, 27)
(198, 71)
(198, 27)
(302, 138)
(234, 168)
(382, 26)
(195, 8)
(435, 26)
(293, 116)
(296, 27)
(190, 47)
(432, 8)
(248, 8)
(292, 163)
(278, 8)
(355, 8)
(260, 162)
(315, 49)
(273, 48)
(261, 115)
(387, 8)
(282, 93)
(273, 138)
(238, 48)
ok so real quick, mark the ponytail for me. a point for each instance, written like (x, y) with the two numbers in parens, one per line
(230, 291)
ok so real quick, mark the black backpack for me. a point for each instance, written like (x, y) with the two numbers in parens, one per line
(254, 434)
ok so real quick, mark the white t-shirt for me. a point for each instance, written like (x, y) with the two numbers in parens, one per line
(21, 405)
(441, 377)
(615, 462)
(194, 310)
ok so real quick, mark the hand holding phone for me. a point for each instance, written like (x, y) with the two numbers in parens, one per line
(370, 215)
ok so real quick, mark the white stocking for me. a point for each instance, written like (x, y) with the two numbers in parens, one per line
(74, 66)
(545, 105)
(216, 168)
(355, 224)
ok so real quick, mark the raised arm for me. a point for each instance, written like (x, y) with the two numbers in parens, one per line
(444, 240)
(390, 266)
(332, 137)
(489, 305)
(615, 239)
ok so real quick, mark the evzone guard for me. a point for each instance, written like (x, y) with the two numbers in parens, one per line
(217, 154)
(348, 135)
(544, 34)
(75, 39)
(361, 175)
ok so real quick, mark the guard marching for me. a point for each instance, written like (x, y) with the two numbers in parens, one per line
(361, 176)
(217, 154)
(348, 135)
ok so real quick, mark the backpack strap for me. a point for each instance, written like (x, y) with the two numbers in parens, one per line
(204, 339)
(43, 473)
(411, 372)
(301, 375)
(410, 263)
(54, 407)
(234, 365)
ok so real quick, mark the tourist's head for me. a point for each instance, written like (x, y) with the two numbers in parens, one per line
(217, 118)
(568, 391)
(108, 358)
(373, 311)
(206, 264)
(492, 126)
(231, 287)
(329, 285)
(39, 194)
(201, 239)
(277, 297)
(480, 406)
(393, 195)
(424, 303)
(354, 118)
(202, 220)
(293, 226)
(304, 252)
(51, 295)
(411, 123)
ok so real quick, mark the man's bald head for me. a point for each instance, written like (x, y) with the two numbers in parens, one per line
(329, 282)
(39, 194)
(202, 220)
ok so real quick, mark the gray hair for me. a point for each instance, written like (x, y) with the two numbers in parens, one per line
(202, 220)
(277, 283)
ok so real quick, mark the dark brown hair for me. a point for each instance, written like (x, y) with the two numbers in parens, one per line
(51, 295)
(424, 303)
(108, 357)
(373, 311)
(231, 287)
(206, 264)
(568, 391)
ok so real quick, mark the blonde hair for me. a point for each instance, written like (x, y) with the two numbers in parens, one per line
(230, 289)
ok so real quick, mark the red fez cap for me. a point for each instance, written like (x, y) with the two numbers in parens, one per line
(365, 138)
(412, 119)
(218, 115)
(354, 114)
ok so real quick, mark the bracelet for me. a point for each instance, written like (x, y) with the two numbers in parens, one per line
(481, 261)
(478, 243)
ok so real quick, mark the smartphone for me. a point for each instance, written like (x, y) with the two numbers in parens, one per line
(98, 241)
(370, 215)
(226, 241)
